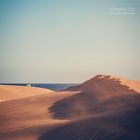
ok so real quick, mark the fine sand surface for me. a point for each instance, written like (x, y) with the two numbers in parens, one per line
(102, 108)
(27, 118)
(8, 92)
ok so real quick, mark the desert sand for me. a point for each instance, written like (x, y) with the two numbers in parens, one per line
(102, 108)
(8, 92)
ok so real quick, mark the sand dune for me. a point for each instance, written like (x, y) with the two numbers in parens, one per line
(8, 92)
(102, 108)
(95, 96)
(106, 80)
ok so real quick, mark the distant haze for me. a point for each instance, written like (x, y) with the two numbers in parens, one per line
(68, 40)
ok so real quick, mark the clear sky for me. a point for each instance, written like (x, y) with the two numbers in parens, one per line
(68, 40)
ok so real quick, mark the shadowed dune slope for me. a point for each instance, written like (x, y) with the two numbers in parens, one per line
(8, 92)
(122, 126)
(104, 109)
(97, 95)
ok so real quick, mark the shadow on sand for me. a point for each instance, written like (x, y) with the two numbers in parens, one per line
(117, 108)
(122, 127)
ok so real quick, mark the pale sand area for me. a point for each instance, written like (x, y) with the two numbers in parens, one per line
(102, 108)
(27, 118)
(8, 92)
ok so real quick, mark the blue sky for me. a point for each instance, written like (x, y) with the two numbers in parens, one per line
(68, 40)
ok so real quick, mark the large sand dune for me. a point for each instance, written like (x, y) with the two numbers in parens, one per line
(102, 108)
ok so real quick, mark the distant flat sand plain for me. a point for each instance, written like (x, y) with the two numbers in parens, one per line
(102, 108)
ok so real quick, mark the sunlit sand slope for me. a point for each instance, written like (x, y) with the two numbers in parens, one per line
(8, 92)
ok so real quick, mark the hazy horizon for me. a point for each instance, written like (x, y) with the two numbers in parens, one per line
(58, 41)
